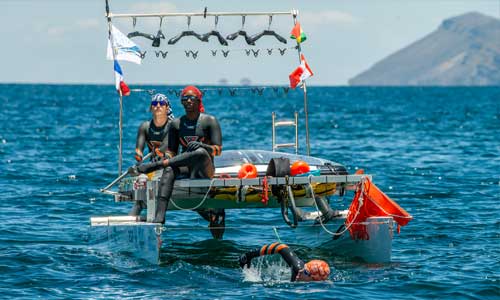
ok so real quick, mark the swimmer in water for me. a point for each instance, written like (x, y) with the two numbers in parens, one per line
(314, 270)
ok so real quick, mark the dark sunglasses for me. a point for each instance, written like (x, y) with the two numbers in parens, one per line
(155, 103)
(189, 97)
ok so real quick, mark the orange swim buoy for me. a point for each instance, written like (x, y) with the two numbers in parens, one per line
(299, 167)
(247, 171)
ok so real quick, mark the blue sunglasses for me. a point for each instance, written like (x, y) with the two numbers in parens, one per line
(161, 102)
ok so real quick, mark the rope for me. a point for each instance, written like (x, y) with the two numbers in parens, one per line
(252, 88)
(276, 233)
(199, 204)
(320, 214)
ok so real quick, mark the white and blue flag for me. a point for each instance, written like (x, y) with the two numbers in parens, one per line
(123, 47)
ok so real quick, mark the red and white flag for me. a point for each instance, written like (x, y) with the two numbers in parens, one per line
(119, 83)
(301, 73)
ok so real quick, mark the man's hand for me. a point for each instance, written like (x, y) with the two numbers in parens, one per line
(245, 260)
(138, 155)
(194, 145)
(133, 171)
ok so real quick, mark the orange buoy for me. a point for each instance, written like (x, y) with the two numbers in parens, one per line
(360, 172)
(299, 167)
(247, 171)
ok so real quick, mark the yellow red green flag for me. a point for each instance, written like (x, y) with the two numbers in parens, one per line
(297, 33)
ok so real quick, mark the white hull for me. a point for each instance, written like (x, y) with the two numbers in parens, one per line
(143, 239)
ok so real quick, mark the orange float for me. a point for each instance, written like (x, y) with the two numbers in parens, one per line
(299, 167)
(247, 171)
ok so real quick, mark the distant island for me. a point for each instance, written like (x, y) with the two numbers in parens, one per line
(464, 50)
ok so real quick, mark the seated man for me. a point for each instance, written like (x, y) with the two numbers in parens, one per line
(152, 133)
(200, 138)
(314, 270)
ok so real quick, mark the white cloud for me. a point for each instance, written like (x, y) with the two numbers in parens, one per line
(327, 17)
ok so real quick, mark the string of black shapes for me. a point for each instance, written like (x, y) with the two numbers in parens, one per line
(143, 54)
(260, 91)
(232, 91)
(155, 38)
(215, 33)
(193, 54)
(241, 32)
(162, 53)
(268, 32)
(187, 32)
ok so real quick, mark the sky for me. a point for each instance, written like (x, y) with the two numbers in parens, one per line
(64, 41)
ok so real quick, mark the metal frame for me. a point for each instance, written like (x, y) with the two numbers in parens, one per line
(282, 124)
(204, 14)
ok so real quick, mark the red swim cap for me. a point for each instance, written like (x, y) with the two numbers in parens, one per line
(196, 92)
(318, 269)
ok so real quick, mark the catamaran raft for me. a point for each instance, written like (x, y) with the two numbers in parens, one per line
(304, 206)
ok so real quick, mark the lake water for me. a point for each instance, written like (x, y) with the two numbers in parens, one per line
(436, 151)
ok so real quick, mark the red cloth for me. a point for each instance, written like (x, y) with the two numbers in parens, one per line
(196, 92)
(124, 89)
(375, 204)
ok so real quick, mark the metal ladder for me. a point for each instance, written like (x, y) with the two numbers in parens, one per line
(282, 123)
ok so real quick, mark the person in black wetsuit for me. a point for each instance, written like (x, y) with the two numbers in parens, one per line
(198, 138)
(152, 133)
(314, 270)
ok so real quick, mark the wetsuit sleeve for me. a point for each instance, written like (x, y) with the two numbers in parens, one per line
(288, 255)
(140, 141)
(172, 139)
(163, 149)
(215, 136)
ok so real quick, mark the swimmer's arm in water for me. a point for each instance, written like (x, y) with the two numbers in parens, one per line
(291, 259)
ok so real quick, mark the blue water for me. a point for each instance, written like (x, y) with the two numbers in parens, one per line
(436, 151)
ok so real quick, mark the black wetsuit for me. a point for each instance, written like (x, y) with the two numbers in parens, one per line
(194, 161)
(292, 260)
(151, 135)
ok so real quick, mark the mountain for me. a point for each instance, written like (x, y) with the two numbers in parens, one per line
(464, 50)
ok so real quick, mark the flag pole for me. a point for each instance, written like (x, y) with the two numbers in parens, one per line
(304, 87)
(120, 121)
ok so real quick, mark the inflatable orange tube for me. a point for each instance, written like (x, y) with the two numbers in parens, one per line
(247, 171)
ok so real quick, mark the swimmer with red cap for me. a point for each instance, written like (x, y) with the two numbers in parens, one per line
(314, 270)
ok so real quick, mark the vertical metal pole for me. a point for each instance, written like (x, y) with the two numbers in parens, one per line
(120, 121)
(304, 87)
(296, 133)
(120, 146)
(274, 131)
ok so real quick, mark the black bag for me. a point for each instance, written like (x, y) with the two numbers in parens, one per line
(278, 167)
